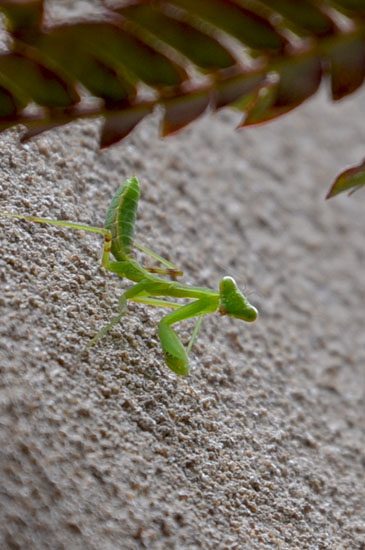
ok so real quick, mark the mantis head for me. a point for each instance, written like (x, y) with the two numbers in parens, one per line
(233, 302)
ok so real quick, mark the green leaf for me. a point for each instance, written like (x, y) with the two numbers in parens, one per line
(24, 17)
(347, 64)
(117, 46)
(351, 7)
(9, 106)
(119, 125)
(112, 48)
(353, 179)
(248, 27)
(28, 79)
(302, 16)
(100, 77)
(182, 110)
(298, 78)
(231, 91)
(200, 48)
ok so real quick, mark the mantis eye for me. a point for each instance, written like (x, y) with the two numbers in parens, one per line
(234, 303)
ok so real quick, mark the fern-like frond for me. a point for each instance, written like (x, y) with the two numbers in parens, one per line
(263, 58)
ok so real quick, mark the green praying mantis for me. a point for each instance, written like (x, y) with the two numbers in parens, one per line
(150, 288)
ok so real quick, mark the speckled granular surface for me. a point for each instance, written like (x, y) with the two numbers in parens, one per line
(262, 445)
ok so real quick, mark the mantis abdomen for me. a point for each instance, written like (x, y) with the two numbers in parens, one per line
(121, 217)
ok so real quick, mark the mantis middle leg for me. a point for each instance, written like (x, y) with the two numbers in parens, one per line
(135, 290)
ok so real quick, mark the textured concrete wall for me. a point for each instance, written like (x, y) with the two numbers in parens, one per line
(263, 445)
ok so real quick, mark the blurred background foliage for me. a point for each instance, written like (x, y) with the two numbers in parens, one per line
(263, 58)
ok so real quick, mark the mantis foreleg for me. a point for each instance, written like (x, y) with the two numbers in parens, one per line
(176, 356)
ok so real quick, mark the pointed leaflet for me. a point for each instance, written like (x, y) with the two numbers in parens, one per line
(351, 7)
(183, 109)
(119, 124)
(64, 48)
(107, 48)
(299, 78)
(200, 48)
(248, 27)
(349, 179)
(41, 121)
(9, 106)
(347, 64)
(29, 80)
(114, 45)
(229, 90)
(303, 16)
(24, 18)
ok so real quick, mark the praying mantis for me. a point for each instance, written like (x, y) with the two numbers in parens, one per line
(149, 287)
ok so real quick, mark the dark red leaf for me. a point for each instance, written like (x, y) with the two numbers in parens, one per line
(181, 110)
(118, 125)
(299, 78)
(232, 89)
(347, 64)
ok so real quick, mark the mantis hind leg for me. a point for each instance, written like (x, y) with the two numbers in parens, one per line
(72, 225)
(122, 311)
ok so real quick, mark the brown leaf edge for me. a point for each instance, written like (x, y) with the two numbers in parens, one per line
(351, 180)
(284, 77)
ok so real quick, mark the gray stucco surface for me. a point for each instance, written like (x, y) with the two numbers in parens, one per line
(262, 445)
